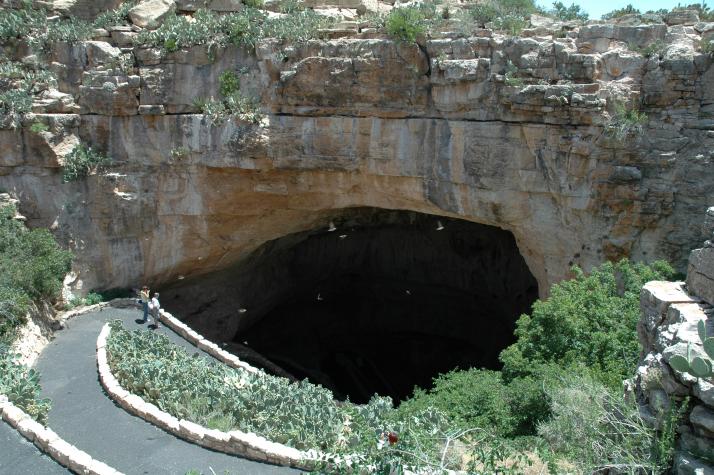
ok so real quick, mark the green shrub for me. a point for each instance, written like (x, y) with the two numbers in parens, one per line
(243, 28)
(590, 320)
(596, 428)
(14, 304)
(13, 105)
(179, 152)
(527, 401)
(657, 47)
(18, 85)
(628, 10)
(253, 3)
(31, 268)
(510, 77)
(707, 47)
(117, 17)
(38, 128)
(511, 16)
(588, 325)
(22, 386)
(405, 24)
(18, 23)
(573, 12)
(91, 298)
(235, 106)
(32, 25)
(296, 28)
(475, 398)
(626, 122)
(81, 162)
(512, 24)
(229, 83)
(68, 31)
(30, 260)
(483, 13)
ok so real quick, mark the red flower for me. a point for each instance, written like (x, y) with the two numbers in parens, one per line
(392, 437)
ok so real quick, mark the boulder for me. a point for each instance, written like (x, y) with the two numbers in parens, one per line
(83, 9)
(101, 53)
(151, 13)
(703, 418)
(682, 17)
(700, 274)
(53, 101)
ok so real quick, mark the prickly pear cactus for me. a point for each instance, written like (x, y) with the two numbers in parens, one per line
(699, 367)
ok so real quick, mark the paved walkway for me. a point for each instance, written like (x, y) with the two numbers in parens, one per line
(84, 415)
(18, 456)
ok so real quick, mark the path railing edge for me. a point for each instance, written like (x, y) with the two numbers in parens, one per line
(52, 444)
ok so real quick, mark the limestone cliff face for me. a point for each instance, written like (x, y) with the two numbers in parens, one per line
(670, 315)
(363, 120)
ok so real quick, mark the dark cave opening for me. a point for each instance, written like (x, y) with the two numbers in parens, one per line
(385, 302)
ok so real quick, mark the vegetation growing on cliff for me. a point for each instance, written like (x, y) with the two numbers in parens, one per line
(119, 16)
(32, 267)
(244, 28)
(703, 10)
(626, 122)
(81, 162)
(32, 25)
(19, 83)
(233, 104)
(406, 24)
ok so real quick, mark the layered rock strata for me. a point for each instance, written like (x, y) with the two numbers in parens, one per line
(671, 312)
(443, 127)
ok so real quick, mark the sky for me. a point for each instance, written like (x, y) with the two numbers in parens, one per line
(597, 7)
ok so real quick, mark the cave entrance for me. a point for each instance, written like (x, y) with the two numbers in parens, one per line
(385, 301)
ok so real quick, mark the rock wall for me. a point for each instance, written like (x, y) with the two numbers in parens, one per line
(671, 312)
(438, 127)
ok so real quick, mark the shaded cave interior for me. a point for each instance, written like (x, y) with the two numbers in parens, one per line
(385, 302)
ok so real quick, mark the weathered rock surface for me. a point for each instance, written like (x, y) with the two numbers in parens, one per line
(668, 326)
(151, 13)
(700, 274)
(442, 128)
(84, 9)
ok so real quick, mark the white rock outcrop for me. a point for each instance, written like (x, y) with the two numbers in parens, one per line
(151, 13)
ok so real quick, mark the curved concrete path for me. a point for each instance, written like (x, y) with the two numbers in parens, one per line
(18, 456)
(84, 416)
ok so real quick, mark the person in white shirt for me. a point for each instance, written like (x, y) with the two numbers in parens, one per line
(155, 308)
